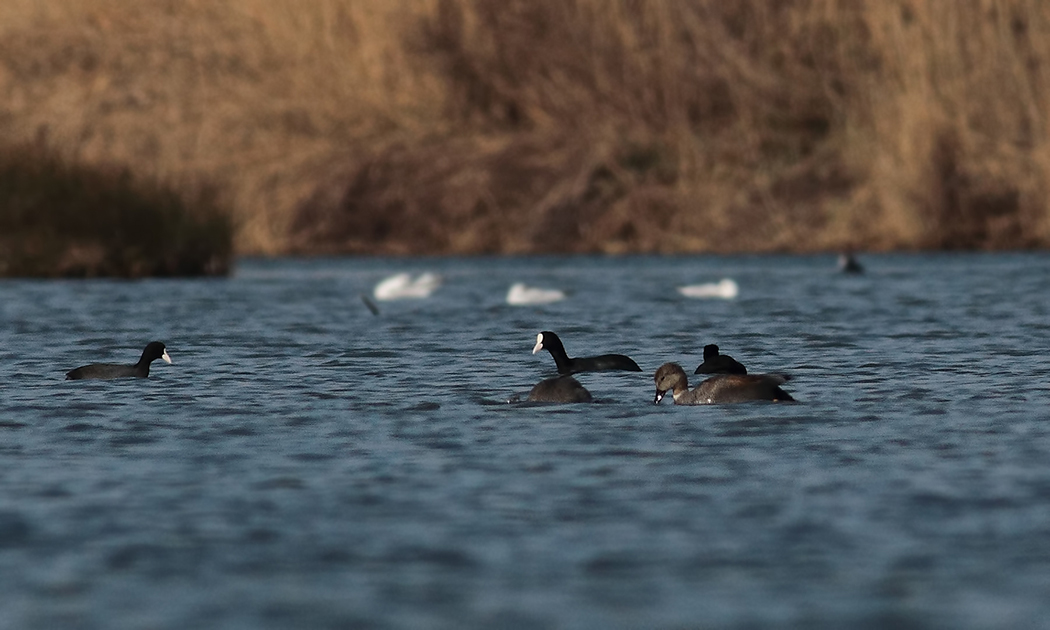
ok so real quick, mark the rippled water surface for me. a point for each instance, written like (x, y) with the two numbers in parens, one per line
(304, 463)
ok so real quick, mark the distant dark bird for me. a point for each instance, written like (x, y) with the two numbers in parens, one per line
(560, 389)
(719, 389)
(715, 363)
(549, 341)
(849, 264)
(154, 350)
(370, 304)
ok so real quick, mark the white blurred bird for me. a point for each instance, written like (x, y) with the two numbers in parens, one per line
(402, 286)
(726, 289)
(521, 295)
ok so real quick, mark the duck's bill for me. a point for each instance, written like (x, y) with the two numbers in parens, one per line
(165, 356)
(659, 396)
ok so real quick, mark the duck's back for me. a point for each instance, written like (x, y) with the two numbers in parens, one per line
(734, 388)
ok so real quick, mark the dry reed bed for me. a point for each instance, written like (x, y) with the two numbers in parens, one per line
(460, 126)
(73, 220)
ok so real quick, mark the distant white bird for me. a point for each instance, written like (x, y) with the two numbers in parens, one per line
(402, 286)
(520, 295)
(726, 289)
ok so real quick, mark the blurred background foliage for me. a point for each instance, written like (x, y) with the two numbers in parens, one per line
(517, 126)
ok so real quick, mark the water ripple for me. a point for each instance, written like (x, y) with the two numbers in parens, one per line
(304, 463)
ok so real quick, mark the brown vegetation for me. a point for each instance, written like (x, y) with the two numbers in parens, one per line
(461, 126)
(64, 220)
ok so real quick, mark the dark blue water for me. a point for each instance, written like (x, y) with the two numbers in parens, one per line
(306, 464)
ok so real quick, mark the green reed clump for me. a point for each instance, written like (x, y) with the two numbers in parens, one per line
(60, 219)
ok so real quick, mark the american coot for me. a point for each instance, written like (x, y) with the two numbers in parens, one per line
(154, 350)
(715, 363)
(560, 389)
(722, 388)
(566, 365)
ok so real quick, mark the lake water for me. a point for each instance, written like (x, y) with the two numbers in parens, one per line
(304, 463)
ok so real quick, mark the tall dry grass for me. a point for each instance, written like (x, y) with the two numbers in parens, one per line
(557, 125)
(65, 220)
(261, 97)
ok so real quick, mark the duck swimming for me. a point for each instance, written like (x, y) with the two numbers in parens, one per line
(719, 389)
